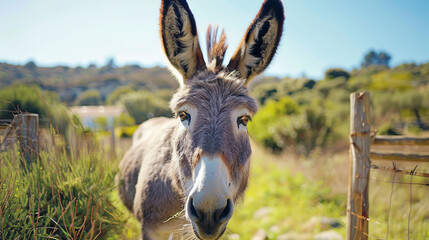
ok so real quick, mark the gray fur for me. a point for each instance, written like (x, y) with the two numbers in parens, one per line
(154, 171)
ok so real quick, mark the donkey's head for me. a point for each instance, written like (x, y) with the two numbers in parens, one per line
(211, 149)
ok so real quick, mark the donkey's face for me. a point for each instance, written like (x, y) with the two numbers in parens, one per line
(211, 149)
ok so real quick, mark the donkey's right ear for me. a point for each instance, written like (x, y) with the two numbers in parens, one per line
(179, 38)
(260, 42)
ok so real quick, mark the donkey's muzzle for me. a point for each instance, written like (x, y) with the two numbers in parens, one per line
(210, 204)
(210, 224)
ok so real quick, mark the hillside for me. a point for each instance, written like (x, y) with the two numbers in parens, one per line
(303, 114)
(297, 114)
(71, 82)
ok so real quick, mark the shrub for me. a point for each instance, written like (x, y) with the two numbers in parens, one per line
(123, 120)
(62, 195)
(126, 132)
(114, 97)
(101, 123)
(387, 129)
(336, 72)
(89, 97)
(143, 105)
(324, 87)
(23, 98)
(284, 124)
(415, 129)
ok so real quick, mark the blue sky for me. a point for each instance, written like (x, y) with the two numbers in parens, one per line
(317, 35)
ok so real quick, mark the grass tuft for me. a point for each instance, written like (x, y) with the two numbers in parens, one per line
(62, 195)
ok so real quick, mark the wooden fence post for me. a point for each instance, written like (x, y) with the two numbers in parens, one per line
(360, 164)
(27, 125)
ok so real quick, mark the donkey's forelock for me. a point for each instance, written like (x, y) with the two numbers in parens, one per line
(219, 90)
(215, 49)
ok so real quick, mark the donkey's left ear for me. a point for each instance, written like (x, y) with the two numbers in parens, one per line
(179, 38)
(260, 42)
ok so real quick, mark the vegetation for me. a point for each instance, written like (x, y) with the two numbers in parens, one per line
(31, 98)
(114, 97)
(69, 82)
(69, 192)
(285, 124)
(142, 105)
(374, 58)
(293, 197)
(61, 195)
(22, 98)
(89, 97)
(303, 115)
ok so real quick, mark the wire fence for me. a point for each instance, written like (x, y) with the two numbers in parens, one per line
(397, 169)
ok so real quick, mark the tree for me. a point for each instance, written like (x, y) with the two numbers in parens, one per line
(30, 65)
(336, 72)
(92, 65)
(309, 84)
(109, 67)
(384, 59)
(378, 59)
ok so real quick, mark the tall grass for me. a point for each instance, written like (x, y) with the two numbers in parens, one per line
(288, 196)
(63, 194)
(285, 192)
(69, 193)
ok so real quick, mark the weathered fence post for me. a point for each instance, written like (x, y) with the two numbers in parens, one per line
(27, 125)
(360, 164)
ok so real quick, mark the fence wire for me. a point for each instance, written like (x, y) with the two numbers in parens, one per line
(414, 172)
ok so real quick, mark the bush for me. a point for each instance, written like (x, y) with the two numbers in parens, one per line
(89, 97)
(387, 129)
(114, 97)
(336, 72)
(126, 132)
(285, 125)
(61, 196)
(144, 105)
(101, 123)
(164, 94)
(415, 129)
(123, 120)
(23, 98)
(324, 87)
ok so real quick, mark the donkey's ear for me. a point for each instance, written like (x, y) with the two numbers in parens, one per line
(260, 42)
(179, 38)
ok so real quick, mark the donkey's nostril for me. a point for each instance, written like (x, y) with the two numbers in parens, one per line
(223, 215)
(193, 212)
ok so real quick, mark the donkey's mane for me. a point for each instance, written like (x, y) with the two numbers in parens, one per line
(215, 50)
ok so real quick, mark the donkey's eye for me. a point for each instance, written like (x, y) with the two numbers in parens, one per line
(243, 120)
(184, 116)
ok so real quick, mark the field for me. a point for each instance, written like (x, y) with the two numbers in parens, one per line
(69, 196)
(301, 198)
(300, 135)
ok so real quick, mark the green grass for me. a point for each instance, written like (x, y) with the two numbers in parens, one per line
(290, 197)
(382, 193)
(64, 194)
(296, 189)
(70, 194)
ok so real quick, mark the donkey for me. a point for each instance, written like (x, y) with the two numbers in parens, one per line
(198, 162)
